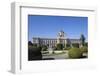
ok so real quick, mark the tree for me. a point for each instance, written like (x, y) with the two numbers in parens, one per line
(30, 43)
(34, 53)
(82, 38)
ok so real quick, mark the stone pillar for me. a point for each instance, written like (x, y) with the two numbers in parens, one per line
(58, 40)
(65, 43)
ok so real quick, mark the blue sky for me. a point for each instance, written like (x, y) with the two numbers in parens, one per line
(49, 26)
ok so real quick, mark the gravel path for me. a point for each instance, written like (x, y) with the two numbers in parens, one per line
(63, 55)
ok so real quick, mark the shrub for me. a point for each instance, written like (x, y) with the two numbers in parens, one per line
(59, 47)
(34, 53)
(39, 47)
(75, 45)
(54, 48)
(44, 48)
(84, 49)
(68, 45)
(75, 53)
(67, 48)
(35, 45)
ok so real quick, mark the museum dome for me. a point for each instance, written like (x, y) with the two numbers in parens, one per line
(61, 34)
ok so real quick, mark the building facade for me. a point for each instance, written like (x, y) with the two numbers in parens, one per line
(52, 42)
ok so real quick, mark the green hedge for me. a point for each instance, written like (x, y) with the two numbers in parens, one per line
(68, 45)
(75, 53)
(75, 45)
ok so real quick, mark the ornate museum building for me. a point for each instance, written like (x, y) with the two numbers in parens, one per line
(52, 42)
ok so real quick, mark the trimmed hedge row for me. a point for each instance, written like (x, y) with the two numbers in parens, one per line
(75, 45)
(77, 52)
